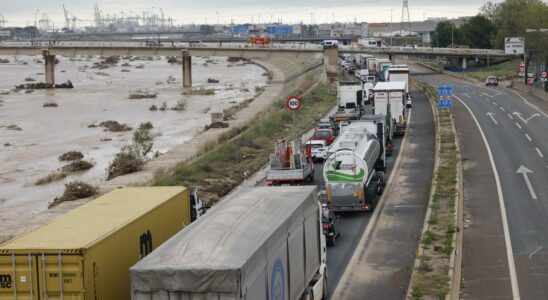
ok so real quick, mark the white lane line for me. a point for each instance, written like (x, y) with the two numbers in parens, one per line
(519, 126)
(507, 241)
(530, 104)
(510, 116)
(535, 252)
(495, 103)
(466, 95)
(491, 115)
(539, 153)
(502, 108)
(528, 137)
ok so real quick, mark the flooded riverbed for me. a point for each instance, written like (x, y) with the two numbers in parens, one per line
(32, 137)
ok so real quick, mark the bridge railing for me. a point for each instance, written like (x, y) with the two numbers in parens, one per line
(422, 50)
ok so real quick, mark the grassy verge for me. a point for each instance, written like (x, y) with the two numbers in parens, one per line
(224, 166)
(502, 70)
(431, 278)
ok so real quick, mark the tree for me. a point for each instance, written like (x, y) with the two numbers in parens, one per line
(478, 32)
(446, 32)
(490, 10)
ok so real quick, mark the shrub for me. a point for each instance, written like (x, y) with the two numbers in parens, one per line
(125, 162)
(71, 155)
(50, 104)
(55, 176)
(78, 165)
(114, 126)
(75, 190)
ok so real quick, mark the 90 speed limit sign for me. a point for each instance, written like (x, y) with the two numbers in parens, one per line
(293, 103)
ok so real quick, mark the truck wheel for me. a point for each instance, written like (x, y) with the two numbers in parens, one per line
(371, 194)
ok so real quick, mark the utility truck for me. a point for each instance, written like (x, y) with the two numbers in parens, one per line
(290, 164)
(352, 171)
(389, 100)
(258, 243)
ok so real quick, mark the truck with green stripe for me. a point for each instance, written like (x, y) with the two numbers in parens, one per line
(354, 169)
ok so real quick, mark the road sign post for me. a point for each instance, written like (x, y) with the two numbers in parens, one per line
(293, 103)
(445, 94)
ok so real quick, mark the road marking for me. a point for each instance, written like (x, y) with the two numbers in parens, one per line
(535, 252)
(524, 171)
(510, 116)
(495, 103)
(490, 115)
(507, 241)
(519, 126)
(530, 104)
(525, 120)
(466, 95)
(502, 108)
(539, 153)
(528, 137)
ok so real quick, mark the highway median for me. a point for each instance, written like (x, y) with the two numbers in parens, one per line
(437, 265)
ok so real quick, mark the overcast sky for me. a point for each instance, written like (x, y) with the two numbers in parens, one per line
(23, 12)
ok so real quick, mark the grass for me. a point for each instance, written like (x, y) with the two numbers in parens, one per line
(431, 279)
(50, 104)
(502, 70)
(114, 126)
(125, 162)
(77, 165)
(224, 166)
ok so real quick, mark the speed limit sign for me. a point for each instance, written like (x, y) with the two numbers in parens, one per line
(293, 103)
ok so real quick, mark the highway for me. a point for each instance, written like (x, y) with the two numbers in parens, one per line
(516, 134)
(353, 225)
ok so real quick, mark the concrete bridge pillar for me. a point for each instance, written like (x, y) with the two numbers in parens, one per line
(463, 63)
(50, 67)
(187, 70)
(331, 60)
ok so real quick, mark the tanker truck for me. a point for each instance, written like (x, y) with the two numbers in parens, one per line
(352, 172)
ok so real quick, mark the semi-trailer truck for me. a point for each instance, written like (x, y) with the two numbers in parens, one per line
(351, 177)
(388, 100)
(350, 98)
(259, 243)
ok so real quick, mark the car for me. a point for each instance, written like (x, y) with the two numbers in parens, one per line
(324, 124)
(492, 80)
(318, 149)
(331, 225)
(327, 135)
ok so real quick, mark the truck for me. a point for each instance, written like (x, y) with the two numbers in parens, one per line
(259, 40)
(352, 180)
(371, 65)
(381, 67)
(87, 253)
(258, 243)
(291, 164)
(350, 98)
(399, 73)
(389, 100)
(379, 125)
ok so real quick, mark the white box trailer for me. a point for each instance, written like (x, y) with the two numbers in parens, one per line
(389, 100)
(399, 73)
(258, 243)
(371, 64)
(381, 67)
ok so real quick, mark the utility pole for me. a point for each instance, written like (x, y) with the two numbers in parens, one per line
(452, 34)
(391, 29)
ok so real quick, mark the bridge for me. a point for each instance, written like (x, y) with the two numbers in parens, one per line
(329, 54)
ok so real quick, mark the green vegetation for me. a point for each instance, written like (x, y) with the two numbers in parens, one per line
(75, 190)
(502, 70)
(224, 166)
(431, 278)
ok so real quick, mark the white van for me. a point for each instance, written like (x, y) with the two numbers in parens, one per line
(330, 43)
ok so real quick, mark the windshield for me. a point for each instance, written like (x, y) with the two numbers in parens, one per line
(322, 134)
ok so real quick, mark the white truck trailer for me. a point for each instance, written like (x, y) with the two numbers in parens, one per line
(399, 73)
(381, 67)
(389, 100)
(351, 178)
(258, 243)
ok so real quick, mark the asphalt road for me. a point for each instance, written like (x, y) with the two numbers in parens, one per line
(353, 224)
(517, 135)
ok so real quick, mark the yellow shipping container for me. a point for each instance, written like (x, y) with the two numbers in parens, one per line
(87, 253)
